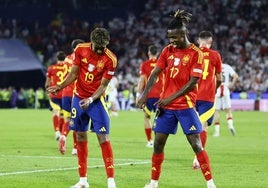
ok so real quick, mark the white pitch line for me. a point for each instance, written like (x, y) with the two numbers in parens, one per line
(60, 157)
(71, 168)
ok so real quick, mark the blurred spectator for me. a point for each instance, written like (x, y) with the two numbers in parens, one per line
(241, 37)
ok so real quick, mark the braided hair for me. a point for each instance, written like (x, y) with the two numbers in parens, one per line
(179, 19)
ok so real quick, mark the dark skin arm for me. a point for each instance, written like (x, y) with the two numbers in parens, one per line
(151, 81)
(184, 90)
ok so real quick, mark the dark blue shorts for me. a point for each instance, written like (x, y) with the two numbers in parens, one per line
(55, 103)
(66, 106)
(166, 121)
(206, 111)
(150, 107)
(96, 112)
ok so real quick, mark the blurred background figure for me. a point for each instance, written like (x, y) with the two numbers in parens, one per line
(55, 75)
(145, 70)
(112, 96)
(223, 99)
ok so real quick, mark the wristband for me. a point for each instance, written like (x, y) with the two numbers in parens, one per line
(138, 95)
(90, 100)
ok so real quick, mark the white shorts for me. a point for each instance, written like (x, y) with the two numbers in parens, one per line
(223, 99)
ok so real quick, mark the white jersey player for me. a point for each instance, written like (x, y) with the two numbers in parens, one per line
(112, 94)
(223, 100)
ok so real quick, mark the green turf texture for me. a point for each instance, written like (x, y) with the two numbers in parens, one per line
(29, 157)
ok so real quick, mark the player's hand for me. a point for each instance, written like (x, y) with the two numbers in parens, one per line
(231, 86)
(84, 103)
(53, 89)
(140, 101)
(162, 102)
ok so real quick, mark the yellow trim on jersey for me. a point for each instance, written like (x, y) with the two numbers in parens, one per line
(200, 54)
(111, 56)
(104, 103)
(54, 106)
(189, 102)
(208, 114)
(65, 113)
(85, 44)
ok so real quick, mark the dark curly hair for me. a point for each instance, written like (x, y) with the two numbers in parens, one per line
(100, 36)
(179, 19)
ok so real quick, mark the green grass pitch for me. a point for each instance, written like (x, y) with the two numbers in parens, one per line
(29, 157)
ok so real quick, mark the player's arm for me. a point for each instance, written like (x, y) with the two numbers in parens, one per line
(234, 80)
(218, 80)
(97, 94)
(48, 81)
(141, 85)
(151, 81)
(190, 85)
(71, 77)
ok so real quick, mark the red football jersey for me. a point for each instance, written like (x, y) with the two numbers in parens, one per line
(92, 68)
(145, 69)
(56, 73)
(68, 90)
(207, 83)
(179, 65)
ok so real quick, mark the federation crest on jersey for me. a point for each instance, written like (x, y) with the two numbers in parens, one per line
(84, 60)
(176, 61)
(90, 67)
(185, 59)
(100, 66)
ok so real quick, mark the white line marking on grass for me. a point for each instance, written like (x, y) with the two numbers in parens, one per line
(61, 157)
(71, 168)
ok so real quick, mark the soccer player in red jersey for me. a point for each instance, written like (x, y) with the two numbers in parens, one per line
(93, 67)
(207, 85)
(55, 75)
(146, 68)
(183, 65)
(67, 95)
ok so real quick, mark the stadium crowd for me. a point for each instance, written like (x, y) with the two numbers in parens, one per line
(239, 26)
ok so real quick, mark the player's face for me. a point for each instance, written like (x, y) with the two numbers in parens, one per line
(177, 37)
(98, 48)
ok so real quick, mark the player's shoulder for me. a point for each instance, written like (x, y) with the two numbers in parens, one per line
(146, 62)
(213, 51)
(110, 54)
(168, 49)
(193, 49)
(83, 45)
(227, 66)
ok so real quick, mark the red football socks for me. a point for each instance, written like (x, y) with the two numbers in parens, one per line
(148, 132)
(82, 154)
(203, 160)
(157, 160)
(108, 159)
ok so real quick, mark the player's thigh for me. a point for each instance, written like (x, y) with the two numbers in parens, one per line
(218, 103)
(99, 115)
(189, 121)
(165, 122)
(79, 118)
(227, 102)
